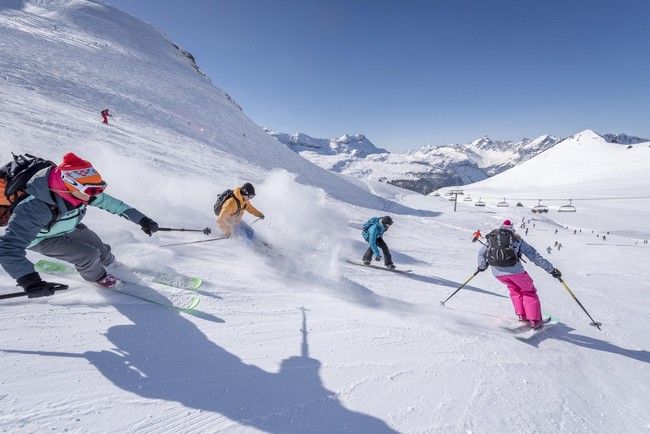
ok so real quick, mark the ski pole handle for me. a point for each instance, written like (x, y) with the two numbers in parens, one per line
(58, 287)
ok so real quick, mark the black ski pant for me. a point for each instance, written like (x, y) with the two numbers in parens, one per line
(388, 260)
(81, 247)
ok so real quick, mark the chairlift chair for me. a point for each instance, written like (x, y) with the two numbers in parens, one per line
(567, 208)
(436, 193)
(467, 199)
(503, 204)
(479, 202)
(539, 207)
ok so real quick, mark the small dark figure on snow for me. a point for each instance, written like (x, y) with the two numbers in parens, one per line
(105, 115)
(49, 222)
(477, 235)
(373, 232)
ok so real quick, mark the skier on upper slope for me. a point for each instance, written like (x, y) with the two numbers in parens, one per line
(502, 252)
(373, 232)
(232, 212)
(105, 115)
(48, 221)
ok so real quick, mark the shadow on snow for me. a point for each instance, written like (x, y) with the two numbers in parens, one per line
(186, 367)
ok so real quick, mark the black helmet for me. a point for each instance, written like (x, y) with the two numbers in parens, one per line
(247, 190)
(386, 221)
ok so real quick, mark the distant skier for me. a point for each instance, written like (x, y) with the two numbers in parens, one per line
(231, 213)
(373, 232)
(48, 222)
(502, 252)
(105, 115)
(477, 235)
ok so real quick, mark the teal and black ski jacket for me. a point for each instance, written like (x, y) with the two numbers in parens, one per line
(45, 215)
(374, 231)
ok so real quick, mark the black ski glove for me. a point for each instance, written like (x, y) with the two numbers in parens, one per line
(556, 273)
(148, 226)
(35, 287)
(262, 216)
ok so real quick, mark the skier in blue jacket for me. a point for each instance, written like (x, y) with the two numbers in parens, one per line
(373, 232)
(48, 221)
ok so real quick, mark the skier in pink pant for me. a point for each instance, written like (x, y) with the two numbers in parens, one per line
(503, 251)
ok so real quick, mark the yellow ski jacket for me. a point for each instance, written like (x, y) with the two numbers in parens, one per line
(233, 211)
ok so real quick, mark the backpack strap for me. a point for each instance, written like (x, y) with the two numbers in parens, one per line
(238, 202)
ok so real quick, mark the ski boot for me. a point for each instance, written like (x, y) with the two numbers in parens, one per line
(536, 324)
(108, 281)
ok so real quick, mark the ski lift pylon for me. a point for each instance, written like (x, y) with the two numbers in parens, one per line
(567, 208)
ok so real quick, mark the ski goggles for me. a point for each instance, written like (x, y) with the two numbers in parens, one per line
(87, 189)
(250, 196)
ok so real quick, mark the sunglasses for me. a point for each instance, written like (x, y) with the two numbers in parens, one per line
(87, 189)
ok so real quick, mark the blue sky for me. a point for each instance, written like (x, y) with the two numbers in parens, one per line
(411, 73)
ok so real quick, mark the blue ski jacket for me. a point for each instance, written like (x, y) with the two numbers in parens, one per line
(371, 234)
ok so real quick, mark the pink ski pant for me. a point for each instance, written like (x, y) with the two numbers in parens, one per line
(523, 295)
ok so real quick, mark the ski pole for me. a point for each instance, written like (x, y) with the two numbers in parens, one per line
(194, 242)
(593, 323)
(56, 287)
(461, 287)
(206, 231)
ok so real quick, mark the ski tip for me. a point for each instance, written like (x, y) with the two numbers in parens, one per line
(192, 305)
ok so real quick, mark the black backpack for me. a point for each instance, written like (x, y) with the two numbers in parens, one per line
(501, 249)
(221, 199)
(13, 180)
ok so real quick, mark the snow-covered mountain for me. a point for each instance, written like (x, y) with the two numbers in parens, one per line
(296, 339)
(623, 139)
(430, 167)
(423, 170)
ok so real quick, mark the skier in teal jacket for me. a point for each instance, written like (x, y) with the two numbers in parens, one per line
(373, 232)
(48, 221)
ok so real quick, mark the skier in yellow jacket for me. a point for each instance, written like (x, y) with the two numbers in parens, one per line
(232, 212)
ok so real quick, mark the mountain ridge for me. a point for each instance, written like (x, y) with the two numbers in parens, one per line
(426, 169)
